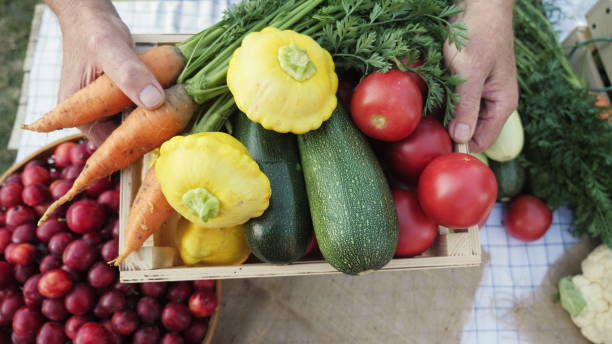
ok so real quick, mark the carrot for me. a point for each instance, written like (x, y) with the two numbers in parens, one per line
(148, 212)
(141, 132)
(102, 98)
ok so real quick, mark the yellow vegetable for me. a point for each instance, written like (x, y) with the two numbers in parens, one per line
(210, 179)
(211, 246)
(283, 80)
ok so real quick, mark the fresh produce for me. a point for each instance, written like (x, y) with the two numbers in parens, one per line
(148, 309)
(510, 177)
(101, 275)
(27, 321)
(482, 157)
(281, 235)
(457, 190)
(350, 202)
(10, 195)
(92, 333)
(35, 174)
(203, 303)
(387, 106)
(129, 142)
(79, 255)
(38, 297)
(153, 289)
(85, 216)
(510, 140)
(567, 147)
(61, 154)
(176, 317)
(148, 212)
(79, 154)
(588, 297)
(55, 283)
(103, 98)
(179, 292)
(417, 232)
(125, 322)
(409, 157)
(274, 62)
(218, 184)
(51, 333)
(211, 246)
(54, 309)
(527, 218)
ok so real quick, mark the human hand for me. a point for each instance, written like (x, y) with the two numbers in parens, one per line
(487, 63)
(96, 41)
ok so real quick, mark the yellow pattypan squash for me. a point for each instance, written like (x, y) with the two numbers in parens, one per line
(210, 179)
(211, 246)
(283, 80)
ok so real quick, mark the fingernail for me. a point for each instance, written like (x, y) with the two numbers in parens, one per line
(150, 96)
(462, 132)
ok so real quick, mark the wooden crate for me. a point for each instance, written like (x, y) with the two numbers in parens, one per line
(593, 62)
(454, 248)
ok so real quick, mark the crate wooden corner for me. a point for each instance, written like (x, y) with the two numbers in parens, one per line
(459, 248)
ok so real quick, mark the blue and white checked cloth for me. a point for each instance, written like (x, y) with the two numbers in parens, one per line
(514, 270)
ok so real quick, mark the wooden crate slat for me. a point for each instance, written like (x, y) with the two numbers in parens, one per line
(296, 269)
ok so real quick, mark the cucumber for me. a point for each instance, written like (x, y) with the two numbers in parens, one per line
(510, 141)
(352, 210)
(282, 234)
(510, 177)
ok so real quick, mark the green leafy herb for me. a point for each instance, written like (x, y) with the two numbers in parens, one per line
(362, 35)
(568, 147)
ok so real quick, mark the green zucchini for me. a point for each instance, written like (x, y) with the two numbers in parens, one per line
(510, 177)
(351, 206)
(282, 234)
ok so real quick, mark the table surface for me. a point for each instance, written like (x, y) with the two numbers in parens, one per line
(506, 300)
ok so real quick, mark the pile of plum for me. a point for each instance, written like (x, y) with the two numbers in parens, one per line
(55, 285)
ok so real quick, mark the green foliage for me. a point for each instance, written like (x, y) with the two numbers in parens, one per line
(568, 147)
(370, 36)
(362, 35)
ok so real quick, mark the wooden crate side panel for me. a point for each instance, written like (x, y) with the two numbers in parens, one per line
(599, 19)
(582, 60)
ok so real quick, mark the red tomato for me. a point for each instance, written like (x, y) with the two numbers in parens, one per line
(409, 156)
(457, 190)
(417, 232)
(387, 106)
(527, 218)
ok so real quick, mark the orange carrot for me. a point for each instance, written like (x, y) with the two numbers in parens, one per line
(102, 98)
(141, 132)
(148, 212)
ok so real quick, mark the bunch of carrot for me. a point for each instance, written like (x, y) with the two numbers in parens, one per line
(199, 65)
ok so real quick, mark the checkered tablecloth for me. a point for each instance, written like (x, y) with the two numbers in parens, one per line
(514, 269)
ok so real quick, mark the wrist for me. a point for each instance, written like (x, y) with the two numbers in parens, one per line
(71, 11)
(504, 6)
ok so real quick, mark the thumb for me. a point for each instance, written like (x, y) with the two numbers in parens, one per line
(463, 125)
(122, 65)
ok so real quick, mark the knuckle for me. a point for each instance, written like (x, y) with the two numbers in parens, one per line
(129, 74)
